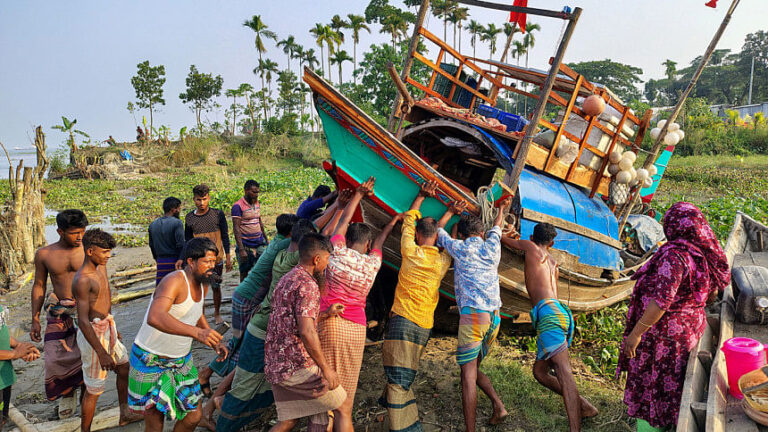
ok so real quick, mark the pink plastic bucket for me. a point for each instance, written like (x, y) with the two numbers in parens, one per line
(742, 355)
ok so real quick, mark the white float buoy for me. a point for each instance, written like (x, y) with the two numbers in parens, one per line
(630, 155)
(625, 164)
(652, 170)
(661, 124)
(613, 169)
(623, 177)
(642, 174)
(674, 126)
(655, 133)
(671, 138)
(614, 157)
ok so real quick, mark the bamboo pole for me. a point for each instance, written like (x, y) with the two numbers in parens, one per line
(134, 271)
(409, 61)
(651, 159)
(513, 177)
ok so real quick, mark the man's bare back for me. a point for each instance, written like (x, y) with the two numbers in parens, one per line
(541, 271)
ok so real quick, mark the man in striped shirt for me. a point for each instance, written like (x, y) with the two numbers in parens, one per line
(250, 237)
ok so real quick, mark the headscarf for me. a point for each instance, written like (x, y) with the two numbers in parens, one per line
(688, 232)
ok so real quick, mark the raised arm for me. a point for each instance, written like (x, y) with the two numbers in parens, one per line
(427, 190)
(503, 206)
(379, 242)
(456, 207)
(38, 294)
(82, 288)
(327, 222)
(366, 188)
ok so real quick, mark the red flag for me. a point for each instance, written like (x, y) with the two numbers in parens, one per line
(711, 3)
(520, 18)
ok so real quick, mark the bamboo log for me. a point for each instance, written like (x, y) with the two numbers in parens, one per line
(20, 420)
(134, 271)
(125, 283)
(657, 146)
(104, 420)
(134, 294)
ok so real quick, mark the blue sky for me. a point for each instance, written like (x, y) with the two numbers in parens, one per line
(76, 58)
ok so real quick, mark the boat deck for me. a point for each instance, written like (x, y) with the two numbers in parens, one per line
(735, 418)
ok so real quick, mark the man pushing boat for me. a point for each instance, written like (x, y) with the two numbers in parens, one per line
(553, 322)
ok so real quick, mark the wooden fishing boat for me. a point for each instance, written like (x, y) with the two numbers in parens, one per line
(446, 141)
(706, 404)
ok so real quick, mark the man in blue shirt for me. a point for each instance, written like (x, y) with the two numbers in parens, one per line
(310, 208)
(166, 238)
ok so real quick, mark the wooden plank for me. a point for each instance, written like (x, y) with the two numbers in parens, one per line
(434, 72)
(699, 410)
(429, 35)
(582, 176)
(450, 77)
(526, 10)
(535, 216)
(563, 123)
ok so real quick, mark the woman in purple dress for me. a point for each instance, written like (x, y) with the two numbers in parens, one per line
(666, 315)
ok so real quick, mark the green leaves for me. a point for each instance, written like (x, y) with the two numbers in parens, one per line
(148, 84)
(201, 88)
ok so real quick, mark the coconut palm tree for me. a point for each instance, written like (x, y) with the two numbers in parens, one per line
(310, 59)
(318, 31)
(442, 9)
(339, 58)
(265, 69)
(262, 33)
(458, 14)
(356, 24)
(337, 24)
(246, 90)
(288, 44)
(489, 35)
(475, 29)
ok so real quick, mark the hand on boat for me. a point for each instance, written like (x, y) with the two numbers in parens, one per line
(457, 207)
(344, 196)
(428, 189)
(366, 188)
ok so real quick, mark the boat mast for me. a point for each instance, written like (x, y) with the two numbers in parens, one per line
(408, 61)
(651, 159)
(512, 178)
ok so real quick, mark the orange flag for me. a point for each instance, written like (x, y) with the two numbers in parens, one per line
(517, 17)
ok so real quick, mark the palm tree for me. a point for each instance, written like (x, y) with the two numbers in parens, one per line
(262, 33)
(442, 9)
(265, 69)
(458, 14)
(356, 24)
(474, 28)
(298, 54)
(233, 93)
(288, 44)
(310, 59)
(337, 23)
(670, 69)
(246, 90)
(489, 35)
(530, 39)
(333, 40)
(396, 25)
(319, 33)
(509, 30)
(339, 58)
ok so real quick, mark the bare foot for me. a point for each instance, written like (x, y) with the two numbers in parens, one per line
(127, 416)
(499, 414)
(587, 409)
(218, 319)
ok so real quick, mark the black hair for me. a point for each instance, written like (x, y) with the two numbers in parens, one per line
(71, 218)
(285, 223)
(201, 190)
(171, 203)
(543, 234)
(321, 191)
(427, 226)
(301, 228)
(250, 183)
(97, 237)
(312, 243)
(198, 247)
(358, 233)
(470, 225)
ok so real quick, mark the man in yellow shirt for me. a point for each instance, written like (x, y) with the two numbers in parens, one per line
(416, 296)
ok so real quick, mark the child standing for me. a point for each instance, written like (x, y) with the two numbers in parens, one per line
(10, 349)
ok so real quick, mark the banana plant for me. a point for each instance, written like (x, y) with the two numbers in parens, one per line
(68, 126)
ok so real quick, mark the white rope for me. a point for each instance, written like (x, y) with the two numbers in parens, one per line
(488, 211)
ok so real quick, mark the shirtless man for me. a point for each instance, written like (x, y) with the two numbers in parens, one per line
(553, 322)
(60, 261)
(100, 343)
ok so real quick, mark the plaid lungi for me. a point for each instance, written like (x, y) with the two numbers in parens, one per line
(164, 266)
(242, 311)
(554, 326)
(402, 350)
(251, 393)
(168, 385)
(477, 332)
(343, 343)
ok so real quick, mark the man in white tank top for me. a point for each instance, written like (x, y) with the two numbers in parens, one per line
(163, 380)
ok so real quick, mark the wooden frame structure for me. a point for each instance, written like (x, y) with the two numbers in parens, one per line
(567, 86)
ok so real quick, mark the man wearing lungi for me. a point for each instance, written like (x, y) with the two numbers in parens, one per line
(101, 348)
(166, 238)
(162, 382)
(410, 323)
(303, 383)
(553, 322)
(476, 282)
(60, 261)
(248, 228)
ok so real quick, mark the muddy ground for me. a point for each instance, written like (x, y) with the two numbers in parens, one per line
(437, 385)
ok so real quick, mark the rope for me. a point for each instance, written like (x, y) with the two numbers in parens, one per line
(488, 212)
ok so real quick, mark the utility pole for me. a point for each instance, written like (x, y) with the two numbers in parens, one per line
(751, 75)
